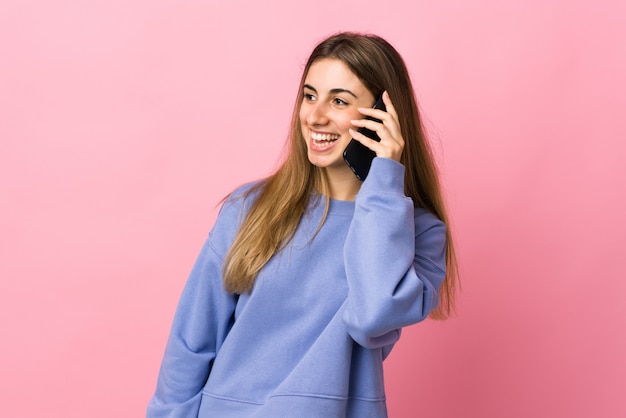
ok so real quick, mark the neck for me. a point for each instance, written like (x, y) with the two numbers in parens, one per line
(342, 183)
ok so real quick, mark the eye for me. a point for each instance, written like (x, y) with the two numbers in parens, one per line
(308, 97)
(340, 102)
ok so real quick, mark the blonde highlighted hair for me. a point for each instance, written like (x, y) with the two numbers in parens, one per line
(283, 197)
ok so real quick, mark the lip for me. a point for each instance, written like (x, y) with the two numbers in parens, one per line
(315, 146)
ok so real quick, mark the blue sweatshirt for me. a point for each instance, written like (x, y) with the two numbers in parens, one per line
(310, 339)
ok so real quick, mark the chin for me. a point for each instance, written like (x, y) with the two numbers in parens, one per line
(327, 161)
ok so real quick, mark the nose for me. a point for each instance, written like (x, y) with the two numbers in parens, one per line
(318, 114)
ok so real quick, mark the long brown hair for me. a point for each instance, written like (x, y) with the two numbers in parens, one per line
(282, 198)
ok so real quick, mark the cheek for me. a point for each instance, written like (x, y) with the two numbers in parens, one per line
(302, 114)
(344, 121)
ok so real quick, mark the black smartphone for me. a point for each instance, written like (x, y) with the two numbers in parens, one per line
(358, 156)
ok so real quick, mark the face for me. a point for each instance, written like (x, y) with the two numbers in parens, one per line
(330, 99)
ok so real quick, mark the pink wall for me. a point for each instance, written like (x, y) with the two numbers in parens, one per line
(123, 123)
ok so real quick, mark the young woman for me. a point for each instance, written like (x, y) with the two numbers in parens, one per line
(308, 276)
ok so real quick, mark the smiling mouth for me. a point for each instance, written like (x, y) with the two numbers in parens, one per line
(323, 140)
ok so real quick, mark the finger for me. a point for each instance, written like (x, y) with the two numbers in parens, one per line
(372, 125)
(382, 115)
(380, 129)
(389, 105)
(387, 148)
(391, 111)
(386, 120)
(389, 118)
(375, 113)
(365, 140)
(386, 129)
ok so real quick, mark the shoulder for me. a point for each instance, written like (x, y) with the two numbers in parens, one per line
(239, 201)
(426, 220)
(232, 213)
(430, 237)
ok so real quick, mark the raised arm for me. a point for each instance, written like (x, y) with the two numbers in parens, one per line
(394, 256)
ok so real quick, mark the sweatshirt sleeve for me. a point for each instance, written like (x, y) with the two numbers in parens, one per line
(394, 256)
(203, 319)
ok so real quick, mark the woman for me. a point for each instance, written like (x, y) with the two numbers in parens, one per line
(308, 276)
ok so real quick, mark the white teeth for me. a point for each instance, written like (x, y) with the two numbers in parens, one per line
(323, 137)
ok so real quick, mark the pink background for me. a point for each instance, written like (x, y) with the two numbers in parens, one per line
(123, 123)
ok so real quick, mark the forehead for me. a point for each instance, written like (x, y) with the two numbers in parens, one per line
(330, 73)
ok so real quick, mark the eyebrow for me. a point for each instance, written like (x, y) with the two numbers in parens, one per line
(333, 91)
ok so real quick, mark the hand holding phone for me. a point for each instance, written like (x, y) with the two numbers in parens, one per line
(358, 156)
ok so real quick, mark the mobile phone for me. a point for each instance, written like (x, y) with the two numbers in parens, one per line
(358, 156)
